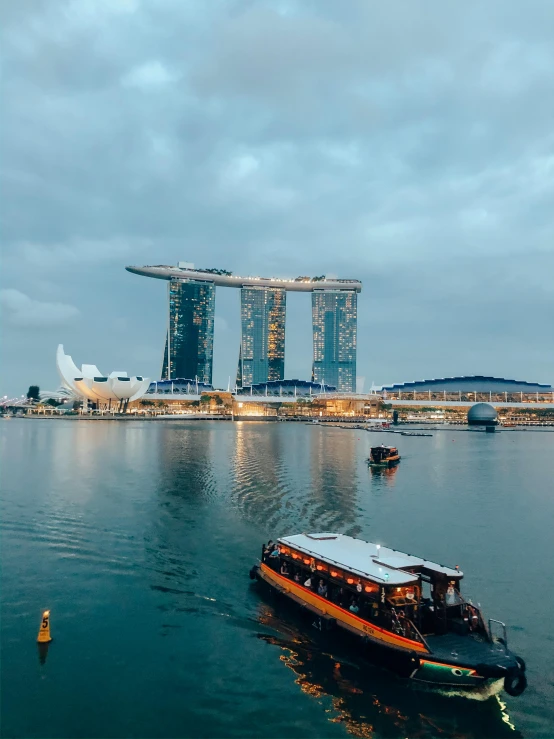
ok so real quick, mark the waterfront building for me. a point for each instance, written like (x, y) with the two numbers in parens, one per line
(262, 345)
(189, 342)
(482, 414)
(88, 383)
(334, 322)
(285, 390)
(470, 389)
(189, 336)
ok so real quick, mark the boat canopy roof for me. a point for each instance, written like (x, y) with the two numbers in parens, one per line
(366, 559)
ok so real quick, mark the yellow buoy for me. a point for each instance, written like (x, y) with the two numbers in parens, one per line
(44, 631)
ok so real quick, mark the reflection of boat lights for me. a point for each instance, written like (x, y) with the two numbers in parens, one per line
(504, 713)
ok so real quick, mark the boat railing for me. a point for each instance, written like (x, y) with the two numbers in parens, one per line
(504, 638)
(463, 603)
(404, 626)
(418, 634)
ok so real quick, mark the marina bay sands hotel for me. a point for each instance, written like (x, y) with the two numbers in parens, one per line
(190, 328)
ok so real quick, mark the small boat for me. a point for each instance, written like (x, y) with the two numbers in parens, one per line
(413, 433)
(399, 610)
(383, 456)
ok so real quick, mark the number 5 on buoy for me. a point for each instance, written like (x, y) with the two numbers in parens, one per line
(44, 631)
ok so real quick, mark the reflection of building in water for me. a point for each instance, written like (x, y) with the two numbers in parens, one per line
(259, 471)
(183, 485)
(334, 481)
(185, 457)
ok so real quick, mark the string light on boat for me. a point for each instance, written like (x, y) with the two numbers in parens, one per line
(334, 573)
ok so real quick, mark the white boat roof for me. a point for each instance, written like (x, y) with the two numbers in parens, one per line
(364, 558)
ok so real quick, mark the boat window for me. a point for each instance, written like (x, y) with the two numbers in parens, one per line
(403, 595)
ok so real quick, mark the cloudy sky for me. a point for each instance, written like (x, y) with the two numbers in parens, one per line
(407, 144)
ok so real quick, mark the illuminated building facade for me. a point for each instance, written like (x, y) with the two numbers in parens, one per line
(262, 345)
(189, 341)
(334, 321)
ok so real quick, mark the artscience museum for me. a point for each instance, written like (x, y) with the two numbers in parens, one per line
(88, 383)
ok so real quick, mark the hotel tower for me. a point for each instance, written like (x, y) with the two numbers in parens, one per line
(188, 352)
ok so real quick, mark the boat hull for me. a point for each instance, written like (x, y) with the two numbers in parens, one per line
(385, 463)
(405, 657)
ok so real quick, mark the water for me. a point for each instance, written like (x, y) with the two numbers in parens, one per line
(139, 537)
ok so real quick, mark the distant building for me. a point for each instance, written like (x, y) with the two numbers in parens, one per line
(467, 384)
(189, 335)
(334, 322)
(285, 389)
(88, 383)
(482, 414)
(179, 387)
(262, 345)
(189, 343)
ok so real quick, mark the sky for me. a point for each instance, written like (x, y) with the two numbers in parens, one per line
(407, 144)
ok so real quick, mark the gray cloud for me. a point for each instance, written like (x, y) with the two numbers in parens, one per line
(24, 312)
(407, 144)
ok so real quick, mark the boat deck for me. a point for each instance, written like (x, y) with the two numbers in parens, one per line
(468, 650)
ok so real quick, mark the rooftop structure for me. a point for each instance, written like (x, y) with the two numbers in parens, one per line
(286, 389)
(222, 278)
(471, 383)
(178, 386)
(364, 558)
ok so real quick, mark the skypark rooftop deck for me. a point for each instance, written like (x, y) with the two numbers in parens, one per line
(221, 279)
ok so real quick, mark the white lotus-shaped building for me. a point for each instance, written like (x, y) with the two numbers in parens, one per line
(88, 382)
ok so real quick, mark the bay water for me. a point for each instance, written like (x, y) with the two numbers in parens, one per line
(139, 537)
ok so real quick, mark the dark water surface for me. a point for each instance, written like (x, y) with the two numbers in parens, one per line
(139, 537)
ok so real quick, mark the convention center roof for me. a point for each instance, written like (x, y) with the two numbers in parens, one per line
(471, 383)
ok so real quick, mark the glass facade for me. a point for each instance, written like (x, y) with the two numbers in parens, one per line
(262, 347)
(334, 321)
(190, 338)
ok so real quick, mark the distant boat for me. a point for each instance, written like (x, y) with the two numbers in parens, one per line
(413, 433)
(383, 456)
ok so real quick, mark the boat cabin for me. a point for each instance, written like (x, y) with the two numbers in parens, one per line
(408, 595)
(383, 454)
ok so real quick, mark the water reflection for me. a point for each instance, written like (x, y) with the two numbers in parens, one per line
(369, 701)
(42, 648)
(261, 486)
(334, 479)
(383, 477)
(287, 479)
